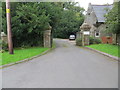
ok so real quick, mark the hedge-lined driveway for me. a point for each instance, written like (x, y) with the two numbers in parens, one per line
(68, 66)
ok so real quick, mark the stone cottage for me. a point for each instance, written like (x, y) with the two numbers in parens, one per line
(95, 17)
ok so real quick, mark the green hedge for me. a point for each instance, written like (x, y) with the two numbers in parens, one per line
(94, 40)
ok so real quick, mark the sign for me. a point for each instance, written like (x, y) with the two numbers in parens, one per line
(86, 33)
(7, 10)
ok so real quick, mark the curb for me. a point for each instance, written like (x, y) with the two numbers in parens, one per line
(105, 54)
(28, 59)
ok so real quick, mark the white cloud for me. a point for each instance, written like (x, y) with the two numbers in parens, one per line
(84, 3)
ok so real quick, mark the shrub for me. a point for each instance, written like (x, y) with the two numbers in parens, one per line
(91, 40)
(4, 46)
(79, 42)
(97, 41)
(94, 40)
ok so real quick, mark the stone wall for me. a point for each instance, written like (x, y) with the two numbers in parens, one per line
(92, 31)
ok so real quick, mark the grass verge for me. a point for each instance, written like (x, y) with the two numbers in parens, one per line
(107, 48)
(21, 54)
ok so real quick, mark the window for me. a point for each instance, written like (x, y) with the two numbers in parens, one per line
(88, 13)
(97, 33)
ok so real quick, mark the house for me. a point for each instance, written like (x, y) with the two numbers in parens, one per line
(95, 17)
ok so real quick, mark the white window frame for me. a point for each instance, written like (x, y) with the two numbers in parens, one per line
(97, 32)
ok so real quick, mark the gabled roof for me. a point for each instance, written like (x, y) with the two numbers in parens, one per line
(100, 11)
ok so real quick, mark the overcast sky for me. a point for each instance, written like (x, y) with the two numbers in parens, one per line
(84, 3)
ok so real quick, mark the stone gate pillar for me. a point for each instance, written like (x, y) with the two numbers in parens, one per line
(48, 38)
(4, 37)
(78, 35)
(85, 32)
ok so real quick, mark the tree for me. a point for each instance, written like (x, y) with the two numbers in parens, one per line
(28, 23)
(30, 19)
(112, 19)
(70, 20)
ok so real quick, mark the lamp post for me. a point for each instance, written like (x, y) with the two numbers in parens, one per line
(9, 32)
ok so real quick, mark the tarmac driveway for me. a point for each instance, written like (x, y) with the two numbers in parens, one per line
(68, 66)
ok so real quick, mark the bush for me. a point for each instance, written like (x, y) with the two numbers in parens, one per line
(79, 42)
(97, 41)
(94, 41)
(4, 46)
(91, 40)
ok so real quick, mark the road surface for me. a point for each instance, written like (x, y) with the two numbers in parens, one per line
(68, 66)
